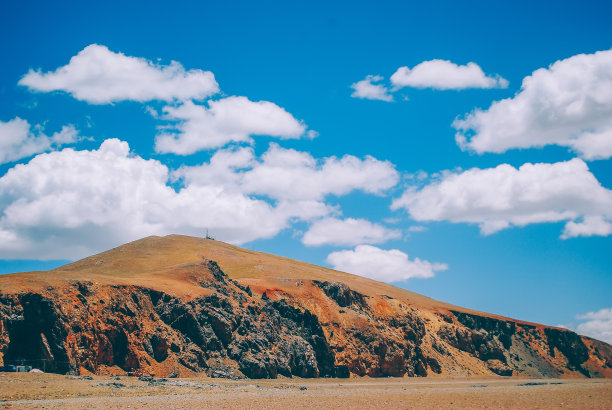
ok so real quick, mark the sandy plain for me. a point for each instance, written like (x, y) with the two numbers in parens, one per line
(21, 391)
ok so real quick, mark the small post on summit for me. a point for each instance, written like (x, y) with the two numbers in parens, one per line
(208, 236)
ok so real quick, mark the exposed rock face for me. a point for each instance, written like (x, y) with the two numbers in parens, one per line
(342, 294)
(34, 331)
(485, 338)
(306, 328)
(228, 333)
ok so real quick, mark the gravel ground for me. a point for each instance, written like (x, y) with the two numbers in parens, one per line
(69, 392)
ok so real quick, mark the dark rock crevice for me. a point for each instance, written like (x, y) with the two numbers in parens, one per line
(502, 329)
(342, 294)
(38, 335)
(572, 347)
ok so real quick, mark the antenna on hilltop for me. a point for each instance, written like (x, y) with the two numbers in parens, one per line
(208, 236)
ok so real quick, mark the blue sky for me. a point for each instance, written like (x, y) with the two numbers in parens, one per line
(323, 172)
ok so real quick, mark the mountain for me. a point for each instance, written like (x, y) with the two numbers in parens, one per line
(179, 305)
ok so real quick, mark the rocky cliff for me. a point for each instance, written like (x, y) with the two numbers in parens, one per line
(178, 305)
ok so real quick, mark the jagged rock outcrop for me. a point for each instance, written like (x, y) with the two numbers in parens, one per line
(124, 311)
(95, 328)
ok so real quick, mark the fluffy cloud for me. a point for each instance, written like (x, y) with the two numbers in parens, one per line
(383, 265)
(332, 231)
(233, 119)
(597, 325)
(590, 225)
(567, 104)
(100, 76)
(18, 140)
(445, 75)
(497, 198)
(68, 204)
(368, 90)
(290, 175)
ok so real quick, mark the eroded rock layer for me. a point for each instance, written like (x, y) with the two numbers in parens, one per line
(107, 317)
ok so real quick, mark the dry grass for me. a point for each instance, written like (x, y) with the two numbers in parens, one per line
(163, 263)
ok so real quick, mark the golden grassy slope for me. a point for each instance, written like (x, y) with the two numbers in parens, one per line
(165, 264)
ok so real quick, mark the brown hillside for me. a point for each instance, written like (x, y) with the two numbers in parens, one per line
(177, 304)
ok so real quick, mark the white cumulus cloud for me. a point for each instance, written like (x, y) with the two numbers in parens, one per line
(100, 76)
(597, 325)
(69, 204)
(349, 232)
(445, 75)
(369, 90)
(500, 197)
(567, 104)
(290, 175)
(233, 119)
(19, 140)
(590, 225)
(382, 265)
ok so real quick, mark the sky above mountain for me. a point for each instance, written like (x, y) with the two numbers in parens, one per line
(462, 151)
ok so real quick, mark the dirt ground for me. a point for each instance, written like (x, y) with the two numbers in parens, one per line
(23, 390)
